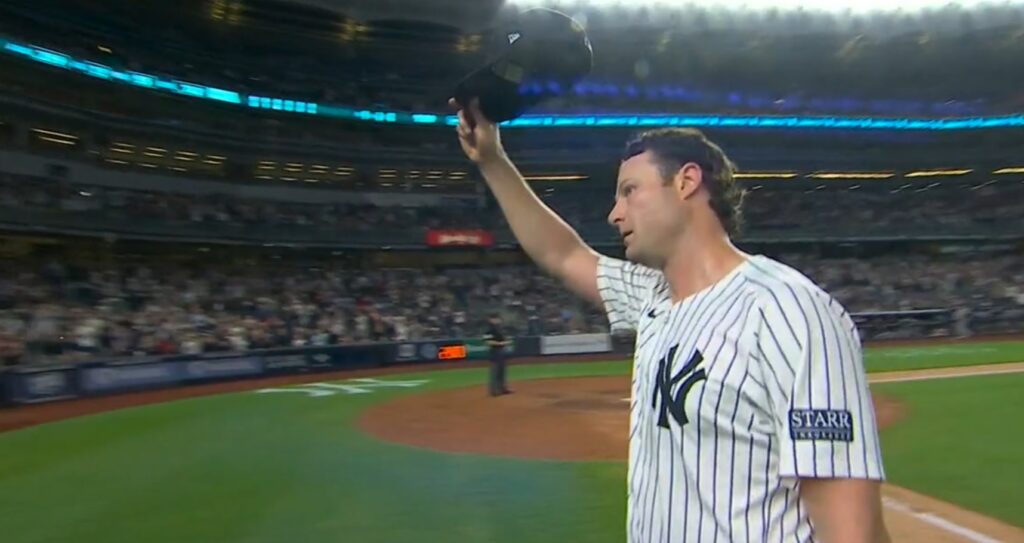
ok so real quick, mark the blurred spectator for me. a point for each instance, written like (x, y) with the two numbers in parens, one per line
(11, 350)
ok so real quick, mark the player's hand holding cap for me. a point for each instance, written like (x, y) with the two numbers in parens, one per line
(544, 46)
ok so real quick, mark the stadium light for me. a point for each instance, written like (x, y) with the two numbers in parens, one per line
(55, 140)
(831, 6)
(54, 133)
(556, 177)
(937, 173)
(1005, 171)
(853, 175)
(53, 136)
(765, 175)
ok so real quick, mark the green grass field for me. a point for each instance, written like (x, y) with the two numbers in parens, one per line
(961, 442)
(253, 468)
(261, 468)
(942, 355)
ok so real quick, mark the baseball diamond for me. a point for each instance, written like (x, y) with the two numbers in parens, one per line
(544, 464)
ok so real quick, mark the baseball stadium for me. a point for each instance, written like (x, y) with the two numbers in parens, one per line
(270, 274)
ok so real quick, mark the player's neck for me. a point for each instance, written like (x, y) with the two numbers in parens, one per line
(703, 256)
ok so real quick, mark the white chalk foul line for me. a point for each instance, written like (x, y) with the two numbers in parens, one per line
(931, 518)
(938, 522)
(903, 378)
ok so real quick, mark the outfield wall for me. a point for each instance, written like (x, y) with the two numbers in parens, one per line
(37, 384)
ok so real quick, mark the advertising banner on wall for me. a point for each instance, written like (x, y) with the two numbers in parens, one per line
(421, 351)
(576, 344)
(478, 349)
(115, 378)
(41, 385)
(46, 383)
(219, 368)
(459, 238)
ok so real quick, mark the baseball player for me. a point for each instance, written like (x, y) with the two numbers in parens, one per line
(750, 415)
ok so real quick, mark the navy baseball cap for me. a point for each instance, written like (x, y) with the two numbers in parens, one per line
(543, 45)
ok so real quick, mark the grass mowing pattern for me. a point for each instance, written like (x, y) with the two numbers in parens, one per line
(960, 442)
(266, 468)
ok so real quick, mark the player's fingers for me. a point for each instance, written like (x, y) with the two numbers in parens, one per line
(474, 110)
(472, 121)
(465, 133)
(468, 120)
(454, 105)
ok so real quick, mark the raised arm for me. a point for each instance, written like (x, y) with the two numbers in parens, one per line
(545, 237)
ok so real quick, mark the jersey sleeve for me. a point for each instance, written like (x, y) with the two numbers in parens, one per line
(625, 287)
(823, 417)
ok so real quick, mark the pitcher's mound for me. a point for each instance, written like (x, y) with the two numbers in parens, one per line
(583, 418)
(559, 419)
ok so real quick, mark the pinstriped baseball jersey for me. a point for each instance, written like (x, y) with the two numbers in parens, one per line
(738, 391)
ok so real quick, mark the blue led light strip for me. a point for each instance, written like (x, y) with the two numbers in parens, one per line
(100, 71)
(175, 86)
(755, 121)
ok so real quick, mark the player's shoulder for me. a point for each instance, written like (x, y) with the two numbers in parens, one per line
(619, 265)
(632, 273)
(780, 287)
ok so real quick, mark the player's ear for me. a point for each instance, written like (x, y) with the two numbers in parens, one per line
(688, 179)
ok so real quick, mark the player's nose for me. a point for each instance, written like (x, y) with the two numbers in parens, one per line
(616, 215)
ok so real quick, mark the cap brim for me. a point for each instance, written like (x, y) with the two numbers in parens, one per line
(500, 99)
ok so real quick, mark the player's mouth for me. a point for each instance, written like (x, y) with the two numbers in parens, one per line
(625, 236)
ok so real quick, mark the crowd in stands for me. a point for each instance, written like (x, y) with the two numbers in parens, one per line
(938, 206)
(787, 208)
(64, 311)
(29, 192)
(765, 209)
(71, 312)
(953, 295)
(57, 311)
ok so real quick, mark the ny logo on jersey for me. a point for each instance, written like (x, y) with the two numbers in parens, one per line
(664, 382)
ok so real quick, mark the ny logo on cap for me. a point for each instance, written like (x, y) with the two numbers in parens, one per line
(513, 37)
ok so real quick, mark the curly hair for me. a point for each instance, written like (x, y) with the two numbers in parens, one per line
(674, 147)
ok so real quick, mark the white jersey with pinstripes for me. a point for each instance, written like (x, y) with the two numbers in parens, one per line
(738, 391)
